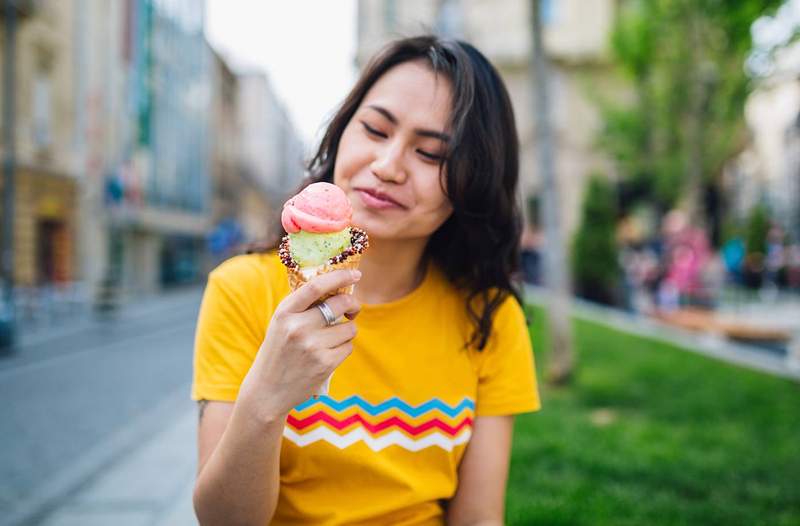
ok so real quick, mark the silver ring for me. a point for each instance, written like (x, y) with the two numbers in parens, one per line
(327, 313)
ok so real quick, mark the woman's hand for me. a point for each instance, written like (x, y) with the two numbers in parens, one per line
(300, 351)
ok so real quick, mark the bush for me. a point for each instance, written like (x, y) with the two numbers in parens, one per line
(757, 230)
(595, 269)
(756, 246)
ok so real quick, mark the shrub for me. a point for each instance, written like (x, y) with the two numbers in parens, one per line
(595, 269)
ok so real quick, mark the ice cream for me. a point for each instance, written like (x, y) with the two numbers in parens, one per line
(320, 238)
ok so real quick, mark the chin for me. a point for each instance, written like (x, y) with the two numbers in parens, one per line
(375, 229)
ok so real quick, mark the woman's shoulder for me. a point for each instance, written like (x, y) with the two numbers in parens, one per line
(247, 272)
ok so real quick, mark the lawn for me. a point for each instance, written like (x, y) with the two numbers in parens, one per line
(651, 434)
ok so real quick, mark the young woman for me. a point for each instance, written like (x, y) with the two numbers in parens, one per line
(417, 427)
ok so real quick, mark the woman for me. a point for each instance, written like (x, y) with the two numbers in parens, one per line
(417, 428)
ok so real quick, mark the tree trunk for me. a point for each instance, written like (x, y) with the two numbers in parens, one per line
(561, 357)
(697, 102)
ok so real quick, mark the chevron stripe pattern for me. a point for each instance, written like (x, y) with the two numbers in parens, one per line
(393, 422)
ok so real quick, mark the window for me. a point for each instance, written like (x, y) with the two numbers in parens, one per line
(42, 110)
(550, 11)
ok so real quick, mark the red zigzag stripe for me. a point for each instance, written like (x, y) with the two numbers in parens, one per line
(380, 426)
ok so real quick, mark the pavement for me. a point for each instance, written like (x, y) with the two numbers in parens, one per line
(100, 428)
(149, 485)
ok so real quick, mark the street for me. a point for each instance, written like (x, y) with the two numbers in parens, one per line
(84, 398)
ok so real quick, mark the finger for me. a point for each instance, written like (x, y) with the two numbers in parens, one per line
(318, 286)
(341, 305)
(334, 336)
(338, 354)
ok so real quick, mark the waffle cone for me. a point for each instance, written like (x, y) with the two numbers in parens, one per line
(297, 279)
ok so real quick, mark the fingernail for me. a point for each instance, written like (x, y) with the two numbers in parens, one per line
(356, 275)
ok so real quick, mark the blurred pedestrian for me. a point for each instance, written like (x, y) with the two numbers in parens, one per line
(733, 254)
(688, 251)
(442, 358)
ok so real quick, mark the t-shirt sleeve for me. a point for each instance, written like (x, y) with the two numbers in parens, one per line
(229, 333)
(507, 376)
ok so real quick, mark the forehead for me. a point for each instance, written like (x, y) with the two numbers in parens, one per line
(414, 94)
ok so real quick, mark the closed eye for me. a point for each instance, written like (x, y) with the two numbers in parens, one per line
(430, 156)
(372, 131)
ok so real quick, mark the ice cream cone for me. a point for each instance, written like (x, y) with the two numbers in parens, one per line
(298, 278)
(320, 239)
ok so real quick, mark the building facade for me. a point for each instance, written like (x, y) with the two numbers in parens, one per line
(272, 152)
(240, 203)
(48, 177)
(575, 37)
(112, 140)
(769, 169)
(157, 193)
(136, 147)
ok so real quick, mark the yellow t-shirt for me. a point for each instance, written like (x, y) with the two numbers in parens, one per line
(385, 446)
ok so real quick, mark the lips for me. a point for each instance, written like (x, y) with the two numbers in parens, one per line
(377, 199)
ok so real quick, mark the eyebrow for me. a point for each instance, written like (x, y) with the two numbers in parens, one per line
(419, 131)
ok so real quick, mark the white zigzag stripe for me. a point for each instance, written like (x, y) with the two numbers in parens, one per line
(394, 438)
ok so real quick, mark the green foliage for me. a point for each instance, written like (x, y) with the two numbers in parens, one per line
(653, 434)
(685, 62)
(594, 255)
(757, 230)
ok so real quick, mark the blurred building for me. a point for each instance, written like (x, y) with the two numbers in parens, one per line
(112, 138)
(272, 152)
(138, 148)
(158, 191)
(240, 203)
(576, 33)
(48, 170)
(769, 169)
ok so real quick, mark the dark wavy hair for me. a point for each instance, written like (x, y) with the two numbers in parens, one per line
(477, 247)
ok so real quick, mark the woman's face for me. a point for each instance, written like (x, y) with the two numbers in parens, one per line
(389, 156)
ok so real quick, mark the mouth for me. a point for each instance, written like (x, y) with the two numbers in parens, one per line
(377, 200)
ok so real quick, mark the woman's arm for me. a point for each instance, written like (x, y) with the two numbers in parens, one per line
(482, 475)
(239, 444)
(238, 461)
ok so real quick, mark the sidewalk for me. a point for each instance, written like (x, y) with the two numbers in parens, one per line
(143, 474)
(149, 485)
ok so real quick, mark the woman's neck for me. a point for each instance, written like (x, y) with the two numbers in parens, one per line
(390, 270)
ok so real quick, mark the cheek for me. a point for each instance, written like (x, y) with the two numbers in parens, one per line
(350, 156)
(436, 203)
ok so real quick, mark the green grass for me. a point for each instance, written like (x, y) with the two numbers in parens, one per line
(650, 434)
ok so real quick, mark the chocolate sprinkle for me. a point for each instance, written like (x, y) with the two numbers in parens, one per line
(358, 242)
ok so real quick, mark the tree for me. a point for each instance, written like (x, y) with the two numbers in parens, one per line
(595, 268)
(685, 60)
(757, 229)
(561, 359)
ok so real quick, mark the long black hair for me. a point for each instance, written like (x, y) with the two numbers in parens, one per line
(477, 247)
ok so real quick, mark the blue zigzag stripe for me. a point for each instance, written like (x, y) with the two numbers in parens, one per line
(375, 410)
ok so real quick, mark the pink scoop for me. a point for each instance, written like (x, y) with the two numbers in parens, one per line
(320, 208)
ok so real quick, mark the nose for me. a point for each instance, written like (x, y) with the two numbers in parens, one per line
(388, 165)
